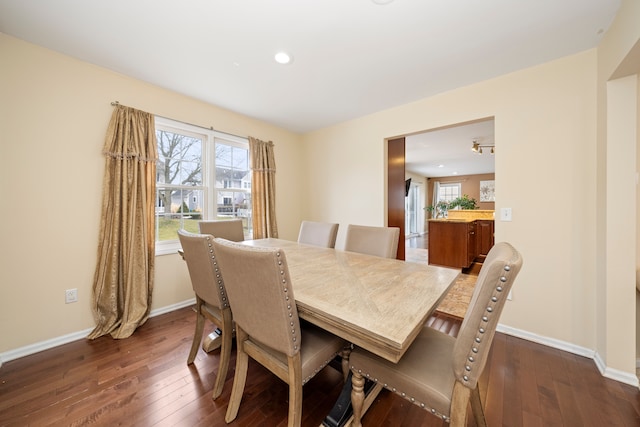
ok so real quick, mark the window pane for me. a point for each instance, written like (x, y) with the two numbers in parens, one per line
(191, 173)
(233, 203)
(179, 159)
(232, 167)
(175, 209)
(448, 192)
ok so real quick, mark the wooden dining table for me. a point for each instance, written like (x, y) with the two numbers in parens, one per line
(378, 304)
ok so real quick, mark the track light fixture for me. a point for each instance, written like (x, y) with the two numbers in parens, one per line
(477, 147)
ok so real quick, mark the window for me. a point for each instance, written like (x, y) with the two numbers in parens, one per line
(449, 191)
(200, 174)
(413, 217)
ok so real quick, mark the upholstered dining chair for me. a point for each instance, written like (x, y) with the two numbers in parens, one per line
(378, 241)
(267, 325)
(211, 299)
(440, 373)
(318, 234)
(230, 229)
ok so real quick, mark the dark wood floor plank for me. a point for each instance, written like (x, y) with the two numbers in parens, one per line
(495, 395)
(144, 381)
(527, 381)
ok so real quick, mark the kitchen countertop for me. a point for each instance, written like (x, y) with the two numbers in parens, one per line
(452, 219)
(467, 215)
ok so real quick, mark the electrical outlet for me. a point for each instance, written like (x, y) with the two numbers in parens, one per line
(70, 295)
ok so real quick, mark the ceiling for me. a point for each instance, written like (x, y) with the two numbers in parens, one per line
(350, 58)
(447, 152)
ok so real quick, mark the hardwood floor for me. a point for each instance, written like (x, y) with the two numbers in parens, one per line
(144, 381)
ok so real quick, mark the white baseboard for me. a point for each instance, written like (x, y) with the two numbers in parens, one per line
(614, 374)
(74, 336)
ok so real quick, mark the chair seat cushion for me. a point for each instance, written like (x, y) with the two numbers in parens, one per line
(424, 375)
(319, 347)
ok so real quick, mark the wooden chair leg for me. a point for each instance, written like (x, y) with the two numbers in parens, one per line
(197, 336)
(477, 409)
(459, 404)
(357, 398)
(225, 356)
(239, 379)
(295, 391)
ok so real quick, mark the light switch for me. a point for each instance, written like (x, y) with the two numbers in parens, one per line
(505, 214)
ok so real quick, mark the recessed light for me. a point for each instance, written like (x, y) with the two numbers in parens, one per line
(440, 166)
(382, 2)
(282, 58)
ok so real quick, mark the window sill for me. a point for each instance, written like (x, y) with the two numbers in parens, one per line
(168, 248)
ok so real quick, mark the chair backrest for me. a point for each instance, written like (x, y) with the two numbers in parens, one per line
(378, 241)
(318, 234)
(230, 229)
(260, 293)
(203, 269)
(498, 272)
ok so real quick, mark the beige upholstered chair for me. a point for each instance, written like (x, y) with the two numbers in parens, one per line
(318, 234)
(211, 299)
(378, 241)
(440, 373)
(230, 229)
(267, 325)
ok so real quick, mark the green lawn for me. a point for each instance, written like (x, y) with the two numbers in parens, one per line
(168, 228)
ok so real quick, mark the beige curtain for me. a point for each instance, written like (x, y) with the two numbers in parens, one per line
(123, 280)
(263, 189)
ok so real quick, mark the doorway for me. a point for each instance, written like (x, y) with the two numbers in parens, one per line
(443, 154)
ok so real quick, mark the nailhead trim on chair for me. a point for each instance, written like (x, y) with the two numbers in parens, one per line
(411, 399)
(485, 319)
(223, 296)
(325, 363)
(294, 336)
(470, 358)
(293, 331)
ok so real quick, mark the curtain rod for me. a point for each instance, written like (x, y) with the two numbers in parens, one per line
(115, 103)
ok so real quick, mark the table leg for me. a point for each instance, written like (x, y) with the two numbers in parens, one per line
(212, 341)
(341, 414)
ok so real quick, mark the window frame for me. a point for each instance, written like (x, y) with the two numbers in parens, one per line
(457, 185)
(208, 170)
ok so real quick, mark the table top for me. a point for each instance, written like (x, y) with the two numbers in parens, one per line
(379, 304)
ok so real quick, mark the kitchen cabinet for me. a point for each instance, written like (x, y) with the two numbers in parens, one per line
(484, 238)
(452, 243)
(459, 243)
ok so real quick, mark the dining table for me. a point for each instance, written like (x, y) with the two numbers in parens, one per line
(378, 304)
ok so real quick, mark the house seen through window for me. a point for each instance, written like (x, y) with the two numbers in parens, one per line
(201, 174)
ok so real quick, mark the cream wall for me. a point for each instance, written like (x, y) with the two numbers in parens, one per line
(53, 117)
(55, 111)
(571, 291)
(618, 61)
(544, 120)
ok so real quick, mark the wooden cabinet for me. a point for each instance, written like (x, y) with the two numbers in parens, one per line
(484, 238)
(452, 243)
(458, 244)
